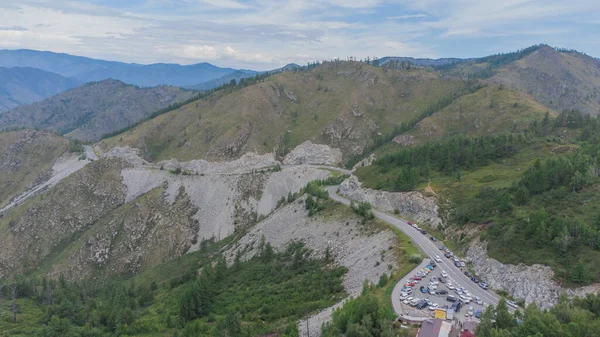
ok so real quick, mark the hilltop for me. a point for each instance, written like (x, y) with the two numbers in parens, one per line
(89, 111)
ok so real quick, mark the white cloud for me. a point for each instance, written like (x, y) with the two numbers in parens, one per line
(200, 52)
(408, 16)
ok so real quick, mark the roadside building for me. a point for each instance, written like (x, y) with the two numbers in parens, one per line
(435, 328)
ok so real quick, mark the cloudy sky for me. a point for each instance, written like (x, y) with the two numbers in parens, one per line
(264, 34)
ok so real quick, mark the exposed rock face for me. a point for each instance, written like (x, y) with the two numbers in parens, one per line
(224, 201)
(533, 284)
(413, 205)
(350, 133)
(365, 162)
(246, 163)
(404, 140)
(128, 154)
(310, 153)
(140, 234)
(352, 245)
(64, 212)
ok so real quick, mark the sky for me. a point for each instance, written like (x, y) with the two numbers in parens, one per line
(266, 34)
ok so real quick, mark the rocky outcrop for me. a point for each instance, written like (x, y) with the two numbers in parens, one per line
(128, 154)
(365, 162)
(532, 284)
(140, 234)
(245, 164)
(404, 140)
(310, 153)
(413, 205)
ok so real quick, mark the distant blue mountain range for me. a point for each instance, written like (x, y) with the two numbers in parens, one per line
(87, 69)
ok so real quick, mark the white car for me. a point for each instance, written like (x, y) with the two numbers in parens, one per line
(403, 296)
(437, 259)
(450, 286)
(408, 300)
(465, 299)
(478, 301)
(463, 264)
(470, 311)
(444, 274)
(512, 304)
(434, 306)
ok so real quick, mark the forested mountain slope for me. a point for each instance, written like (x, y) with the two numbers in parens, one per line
(20, 86)
(91, 110)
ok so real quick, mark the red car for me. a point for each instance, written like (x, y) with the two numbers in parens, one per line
(409, 223)
(409, 284)
(415, 278)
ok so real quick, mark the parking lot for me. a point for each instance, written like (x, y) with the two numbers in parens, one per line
(438, 286)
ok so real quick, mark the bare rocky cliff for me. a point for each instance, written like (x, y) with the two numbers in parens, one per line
(412, 205)
(532, 284)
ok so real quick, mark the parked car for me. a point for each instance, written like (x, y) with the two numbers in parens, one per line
(451, 298)
(467, 274)
(442, 292)
(432, 239)
(422, 305)
(434, 306)
(423, 231)
(478, 313)
(450, 286)
(478, 301)
(443, 279)
(442, 248)
(463, 264)
(423, 289)
(512, 304)
(483, 285)
(409, 284)
(410, 223)
(444, 274)
(456, 263)
(470, 311)
(447, 255)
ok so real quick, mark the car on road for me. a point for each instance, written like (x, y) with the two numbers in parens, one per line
(438, 259)
(478, 313)
(451, 298)
(444, 274)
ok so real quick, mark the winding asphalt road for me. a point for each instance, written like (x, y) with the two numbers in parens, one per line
(430, 249)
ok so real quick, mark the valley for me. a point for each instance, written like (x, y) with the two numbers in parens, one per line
(286, 203)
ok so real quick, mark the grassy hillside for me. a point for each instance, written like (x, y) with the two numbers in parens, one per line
(490, 110)
(343, 104)
(91, 110)
(26, 158)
